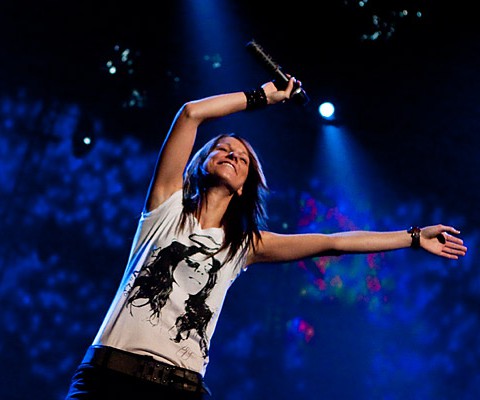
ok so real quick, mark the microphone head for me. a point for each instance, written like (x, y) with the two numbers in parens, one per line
(300, 96)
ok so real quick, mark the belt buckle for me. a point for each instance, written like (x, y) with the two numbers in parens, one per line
(154, 371)
(187, 380)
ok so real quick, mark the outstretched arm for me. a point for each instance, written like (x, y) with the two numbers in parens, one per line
(436, 239)
(178, 145)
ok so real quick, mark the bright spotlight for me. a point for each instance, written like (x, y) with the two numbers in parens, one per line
(327, 110)
(83, 138)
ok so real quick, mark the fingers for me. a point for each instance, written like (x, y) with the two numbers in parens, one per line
(457, 249)
(450, 256)
(453, 239)
(442, 229)
(453, 247)
(451, 229)
(452, 253)
(275, 95)
(455, 243)
(293, 83)
(290, 85)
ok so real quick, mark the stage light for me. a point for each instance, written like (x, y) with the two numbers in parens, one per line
(83, 137)
(327, 111)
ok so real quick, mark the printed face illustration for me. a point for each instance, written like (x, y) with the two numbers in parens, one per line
(192, 272)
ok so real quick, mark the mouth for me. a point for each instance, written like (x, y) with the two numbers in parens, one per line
(228, 164)
(194, 279)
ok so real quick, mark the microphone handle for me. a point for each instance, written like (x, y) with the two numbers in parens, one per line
(281, 80)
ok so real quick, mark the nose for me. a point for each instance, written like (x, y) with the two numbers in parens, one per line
(232, 156)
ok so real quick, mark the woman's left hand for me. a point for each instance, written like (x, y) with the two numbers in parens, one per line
(274, 95)
(439, 240)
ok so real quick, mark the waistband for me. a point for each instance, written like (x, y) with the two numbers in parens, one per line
(145, 368)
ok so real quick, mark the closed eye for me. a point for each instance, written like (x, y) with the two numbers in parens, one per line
(244, 159)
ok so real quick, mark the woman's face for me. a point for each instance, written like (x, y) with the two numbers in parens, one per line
(192, 273)
(229, 161)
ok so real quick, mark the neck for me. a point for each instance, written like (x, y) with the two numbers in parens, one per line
(213, 207)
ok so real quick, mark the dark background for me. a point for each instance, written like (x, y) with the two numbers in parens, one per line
(399, 325)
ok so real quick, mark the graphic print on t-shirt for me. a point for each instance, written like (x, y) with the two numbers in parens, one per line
(193, 268)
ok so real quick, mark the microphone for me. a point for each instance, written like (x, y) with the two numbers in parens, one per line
(281, 80)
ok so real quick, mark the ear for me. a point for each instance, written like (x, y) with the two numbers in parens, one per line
(239, 191)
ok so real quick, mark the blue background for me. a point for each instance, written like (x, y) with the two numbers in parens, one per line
(397, 325)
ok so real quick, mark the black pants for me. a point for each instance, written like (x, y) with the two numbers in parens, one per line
(98, 383)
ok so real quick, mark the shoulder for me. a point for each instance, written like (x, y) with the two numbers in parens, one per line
(174, 201)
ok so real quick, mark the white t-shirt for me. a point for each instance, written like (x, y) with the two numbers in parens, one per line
(173, 289)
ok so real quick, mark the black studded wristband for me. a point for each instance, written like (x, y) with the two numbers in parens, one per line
(414, 232)
(256, 99)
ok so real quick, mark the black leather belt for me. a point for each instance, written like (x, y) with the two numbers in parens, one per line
(145, 368)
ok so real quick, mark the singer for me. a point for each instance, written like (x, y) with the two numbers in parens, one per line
(202, 225)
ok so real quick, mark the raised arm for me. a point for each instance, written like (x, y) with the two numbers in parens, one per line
(178, 145)
(436, 239)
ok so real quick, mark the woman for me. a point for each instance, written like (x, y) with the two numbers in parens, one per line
(202, 225)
